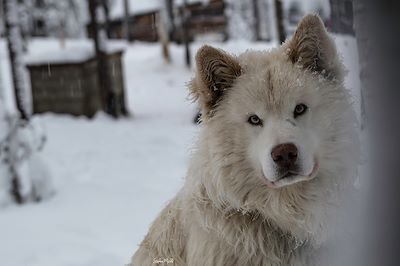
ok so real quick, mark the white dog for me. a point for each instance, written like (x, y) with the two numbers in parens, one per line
(277, 147)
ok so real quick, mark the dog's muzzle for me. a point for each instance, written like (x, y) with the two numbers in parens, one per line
(285, 157)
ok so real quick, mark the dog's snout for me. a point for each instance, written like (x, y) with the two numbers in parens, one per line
(284, 155)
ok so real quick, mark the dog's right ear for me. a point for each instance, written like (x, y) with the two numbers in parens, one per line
(312, 48)
(216, 72)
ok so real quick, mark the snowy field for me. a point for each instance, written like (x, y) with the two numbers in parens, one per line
(113, 176)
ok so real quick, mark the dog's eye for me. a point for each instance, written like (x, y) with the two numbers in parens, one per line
(299, 110)
(254, 120)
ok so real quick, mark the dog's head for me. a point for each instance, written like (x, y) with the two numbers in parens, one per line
(276, 121)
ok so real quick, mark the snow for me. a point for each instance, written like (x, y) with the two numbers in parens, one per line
(135, 7)
(114, 176)
(45, 51)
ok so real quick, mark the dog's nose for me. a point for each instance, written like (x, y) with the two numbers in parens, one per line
(284, 155)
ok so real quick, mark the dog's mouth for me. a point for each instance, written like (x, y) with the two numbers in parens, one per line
(291, 178)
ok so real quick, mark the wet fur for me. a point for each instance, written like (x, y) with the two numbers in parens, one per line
(225, 214)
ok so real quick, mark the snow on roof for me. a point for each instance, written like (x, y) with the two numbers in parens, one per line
(50, 51)
(181, 2)
(135, 6)
(142, 6)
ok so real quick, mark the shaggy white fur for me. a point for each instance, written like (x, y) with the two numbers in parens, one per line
(227, 213)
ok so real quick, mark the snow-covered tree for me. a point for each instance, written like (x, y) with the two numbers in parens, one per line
(268, 22)
(55, 18)
(14, 41)
(252, 19)
(23, 176)
(62, 18)
(163, 27)
(241, 19)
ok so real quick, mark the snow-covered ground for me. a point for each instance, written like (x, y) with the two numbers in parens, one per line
(114, 176)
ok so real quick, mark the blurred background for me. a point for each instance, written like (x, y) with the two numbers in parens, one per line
(96, 126)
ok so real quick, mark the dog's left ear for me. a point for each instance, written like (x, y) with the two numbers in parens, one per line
(313, 49)
(216, 72)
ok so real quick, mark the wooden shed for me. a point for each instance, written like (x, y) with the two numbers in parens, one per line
(203, 17)
(342, 16)
(142, 27)
(72, 86)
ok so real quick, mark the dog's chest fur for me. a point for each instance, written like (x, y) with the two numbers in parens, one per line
(237, 238)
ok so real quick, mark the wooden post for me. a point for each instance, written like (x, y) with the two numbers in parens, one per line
(256, 16)
(109, 101)
(163, 34)
(170, 14)
(126, 21)
(185, 31)
(279, 21)
(105, 5)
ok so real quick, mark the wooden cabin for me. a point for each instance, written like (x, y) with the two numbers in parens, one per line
(142, 27)
(72, 86)
(203, 17)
